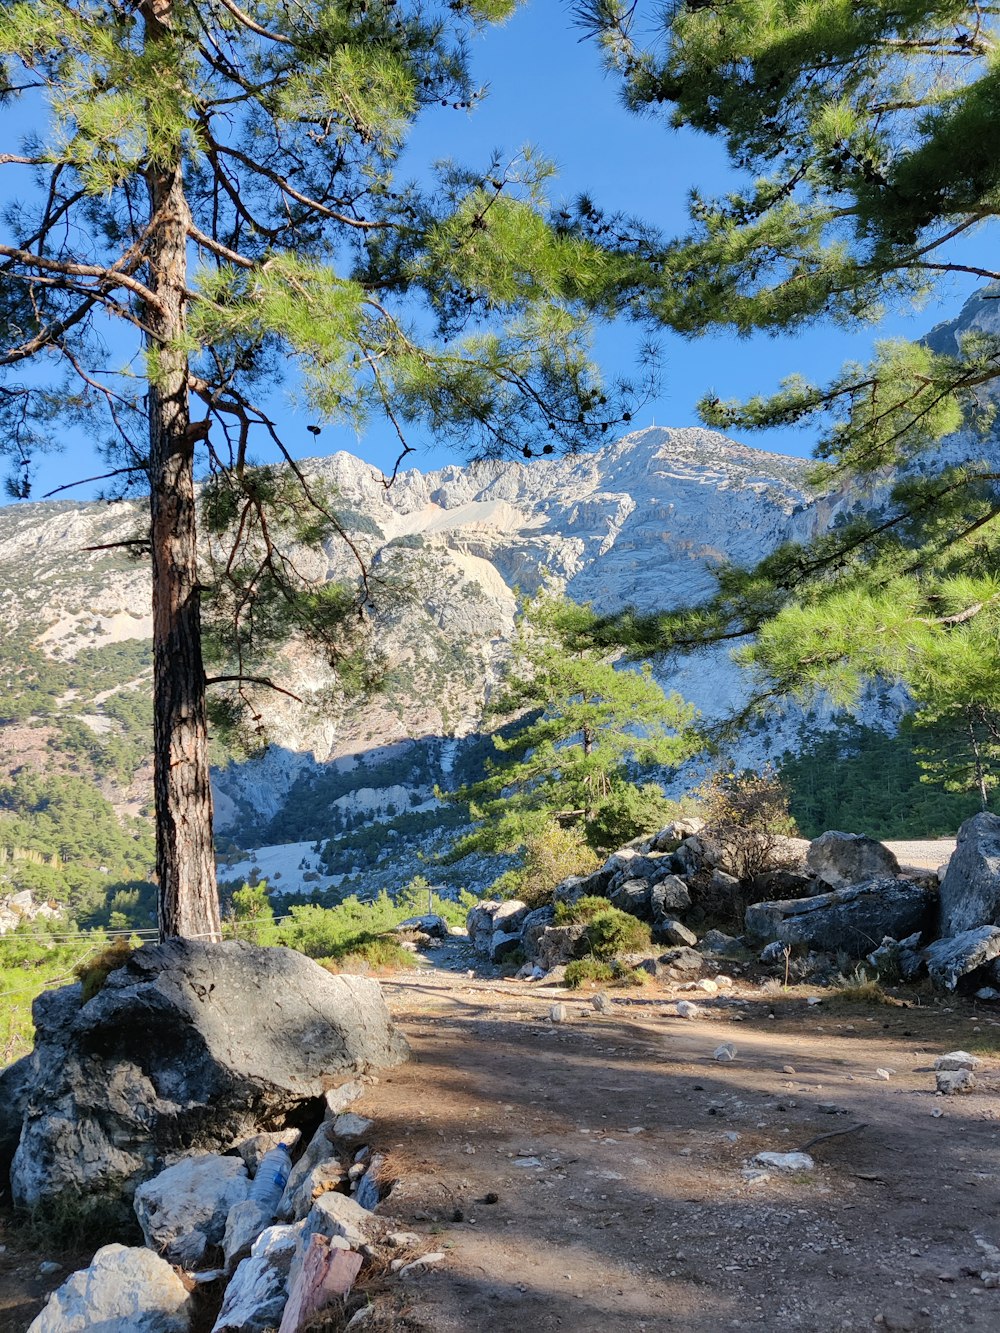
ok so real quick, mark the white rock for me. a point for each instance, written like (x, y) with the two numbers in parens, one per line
(950, 1081)
(278, 1244)
(421, 1265)
(708, 986)
(685, 1009)
(352, 1127)
(723, 982)
(254, 1299)
(725, 1052)
(559, 1013)
(988, 993)
(957, 1060)
(602, 1003)
(337, 1099)
(884, 1074)
(125, 1290)
(254, 1150)
(184, 1209)
(244, 1224)
(786, 1161)
(335, 1215)
(813, 1000)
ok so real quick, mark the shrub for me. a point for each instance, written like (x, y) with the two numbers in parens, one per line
(860, 988)
(376, 953)
(609, 931)
(94, 971)
(628, 812)
(593, 970)
(747, 815)
(550, 856)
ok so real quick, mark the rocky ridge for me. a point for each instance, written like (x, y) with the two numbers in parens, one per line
(640, 522)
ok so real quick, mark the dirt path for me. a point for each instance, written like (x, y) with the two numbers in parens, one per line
(595, 1174)
(615, 1149)
(927, 855)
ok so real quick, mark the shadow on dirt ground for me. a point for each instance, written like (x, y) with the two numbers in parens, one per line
(597, 1173)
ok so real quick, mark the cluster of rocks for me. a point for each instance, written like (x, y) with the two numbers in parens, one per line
(841, 896)
(160, 1097)
(16, 908)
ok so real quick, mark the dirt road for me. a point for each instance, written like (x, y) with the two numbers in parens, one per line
(618, 1152)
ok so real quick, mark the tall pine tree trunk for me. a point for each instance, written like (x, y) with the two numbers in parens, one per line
(188, 898)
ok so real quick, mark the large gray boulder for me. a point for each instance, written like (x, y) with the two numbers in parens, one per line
(854, 919)
(123, 1291)
(970, 891)
(183, 1210)
(494, 920)
(841, 859)
(189, 1044)
(949, 960)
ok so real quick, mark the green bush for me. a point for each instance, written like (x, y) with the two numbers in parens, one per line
(369, 953)
(593, 970)
(609, 931)
(628, 812)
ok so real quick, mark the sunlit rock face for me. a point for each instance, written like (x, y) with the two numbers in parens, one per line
(641, 522)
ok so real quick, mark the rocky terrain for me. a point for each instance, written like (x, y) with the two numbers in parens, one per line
(640, 522)
(749, 1139)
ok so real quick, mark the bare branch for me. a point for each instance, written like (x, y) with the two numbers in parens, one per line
(252, 680)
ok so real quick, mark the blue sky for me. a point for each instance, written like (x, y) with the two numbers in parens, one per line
(546, 88)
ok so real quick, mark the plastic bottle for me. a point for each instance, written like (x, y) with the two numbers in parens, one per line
(268, 1184)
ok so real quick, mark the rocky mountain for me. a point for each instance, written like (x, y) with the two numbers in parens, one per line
(640, 522)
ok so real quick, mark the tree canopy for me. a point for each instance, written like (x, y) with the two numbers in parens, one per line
(864, 137)
(208, 203)
(588, 728)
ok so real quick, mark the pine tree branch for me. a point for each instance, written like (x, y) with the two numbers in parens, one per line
(109, 277)
(287, 188)
(239, 678)
(234, 257)
(253, 25)
(47, 336)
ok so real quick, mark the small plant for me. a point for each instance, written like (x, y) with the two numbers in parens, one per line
(550, 856)
(860, 988)
(747, 815)
(609, 931)
(375, 953)
(596, 972)
(94, 971)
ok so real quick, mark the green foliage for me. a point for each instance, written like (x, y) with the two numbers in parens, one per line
(330, 932)
(591, 971)
(33, 958)
(251, 916)
(587, 726)
(863, 136)
(582, 971)
(627, 812)
(869, 781)
(549, 856)
(364, 952)
(94, 970)
(609, 931)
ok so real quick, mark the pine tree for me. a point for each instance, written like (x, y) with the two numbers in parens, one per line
(208, 199)
(587, 726)
(865, 135)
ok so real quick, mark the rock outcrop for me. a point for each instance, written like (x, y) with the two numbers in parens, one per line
(854, 919)
(841, 859)
(970, 890)
(124, 1290)
(187, 1044)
